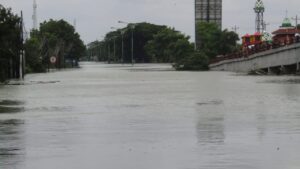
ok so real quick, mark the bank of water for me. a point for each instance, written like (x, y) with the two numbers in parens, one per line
(149, 117)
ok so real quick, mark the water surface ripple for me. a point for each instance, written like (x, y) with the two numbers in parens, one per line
(149, 117)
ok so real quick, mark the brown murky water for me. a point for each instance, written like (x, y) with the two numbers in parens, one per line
(148, 117)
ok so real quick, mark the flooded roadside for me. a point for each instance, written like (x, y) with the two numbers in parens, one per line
(114, 116)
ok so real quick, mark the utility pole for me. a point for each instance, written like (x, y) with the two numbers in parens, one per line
(122, 37)
(100, 55)
(235, 28)
(114, 48)
(296, 21)
(22, 54)
(74, 24)
(265, 26)
(108, 52)
(122, 33)
(132, 28)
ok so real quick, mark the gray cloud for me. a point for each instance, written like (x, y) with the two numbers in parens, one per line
(95, 17)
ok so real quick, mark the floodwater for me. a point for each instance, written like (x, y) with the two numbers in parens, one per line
(149, 117)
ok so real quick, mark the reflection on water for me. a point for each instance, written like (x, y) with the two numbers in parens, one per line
(210, 129)
(11, 103)
(11, 106)
(214, 102)
(50, 109)
(11, 143)
(210, 125)
(261, 118)
(286, 80)
(22, 83)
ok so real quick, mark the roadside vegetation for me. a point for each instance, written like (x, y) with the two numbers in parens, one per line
(53, 39)
(162, 44)
(10, 43)
(151, 44)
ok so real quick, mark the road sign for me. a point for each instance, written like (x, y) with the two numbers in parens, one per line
(53, 59)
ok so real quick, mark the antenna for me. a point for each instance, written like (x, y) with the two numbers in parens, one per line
(74, 24)
(265, 26)
(235, 28)
(34, 16)
(259, 10)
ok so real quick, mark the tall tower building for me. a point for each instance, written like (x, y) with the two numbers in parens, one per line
(259, 9)
(34, 16)
(207, 11)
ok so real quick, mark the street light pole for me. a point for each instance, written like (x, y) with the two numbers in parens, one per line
(132, 61)
(100, 52)
(132, 40)
(122, 33)
(114, 48)
(122, 37)
(108, 53)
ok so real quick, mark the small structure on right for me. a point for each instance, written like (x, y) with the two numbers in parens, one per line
(286, 34)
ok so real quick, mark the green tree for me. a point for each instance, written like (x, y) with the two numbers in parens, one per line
(54, 38)
(195, 61)
(169, 46)
(142, 33)
(10, 43)
(155, 43)
(34, 62)
(214, 41)
(210, 36)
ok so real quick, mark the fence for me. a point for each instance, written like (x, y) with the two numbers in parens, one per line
(255, 49)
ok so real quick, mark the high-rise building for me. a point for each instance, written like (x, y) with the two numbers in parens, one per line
(34, 16)
(208, 11)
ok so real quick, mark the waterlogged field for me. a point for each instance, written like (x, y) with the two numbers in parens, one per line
(149, 117)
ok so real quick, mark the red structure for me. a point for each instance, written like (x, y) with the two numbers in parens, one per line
(249, 40)
(286, 34)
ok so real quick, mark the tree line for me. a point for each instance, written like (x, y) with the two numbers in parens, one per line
(10, 44)
(162, 44)
(139, 43)
(54, 38)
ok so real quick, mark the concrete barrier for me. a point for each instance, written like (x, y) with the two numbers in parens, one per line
(286, 56)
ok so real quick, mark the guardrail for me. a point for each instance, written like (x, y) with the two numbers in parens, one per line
(254, 50)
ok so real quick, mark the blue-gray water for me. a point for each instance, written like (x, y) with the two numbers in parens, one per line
(118, 117)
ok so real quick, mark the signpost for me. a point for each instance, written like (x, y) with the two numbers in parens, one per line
(53, 59)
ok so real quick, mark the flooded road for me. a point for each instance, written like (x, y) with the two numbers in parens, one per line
(148, 117)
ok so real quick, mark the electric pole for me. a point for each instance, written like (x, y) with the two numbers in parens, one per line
(296, 21)
(235, 28)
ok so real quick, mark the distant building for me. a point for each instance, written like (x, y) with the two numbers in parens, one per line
(34, 16)
(207, 11)
(287, 33)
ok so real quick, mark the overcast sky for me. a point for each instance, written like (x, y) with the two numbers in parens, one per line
(95, 17)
